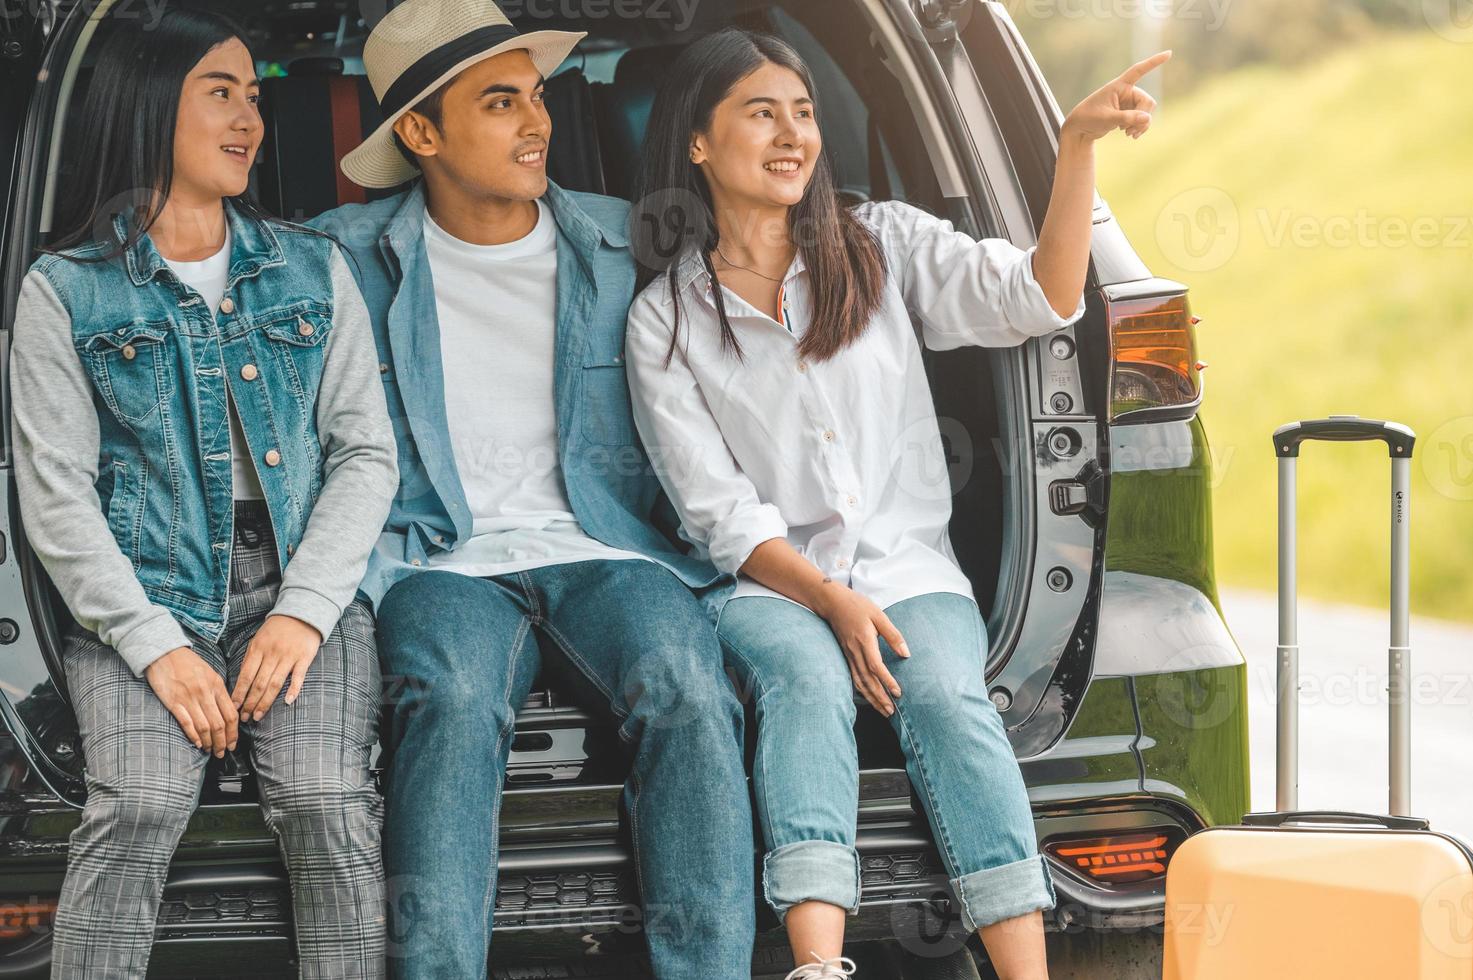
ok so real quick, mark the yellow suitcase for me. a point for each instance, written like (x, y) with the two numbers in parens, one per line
(1305, 895)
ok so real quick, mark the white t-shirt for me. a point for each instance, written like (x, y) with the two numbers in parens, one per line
(207, 277)
(497, 310)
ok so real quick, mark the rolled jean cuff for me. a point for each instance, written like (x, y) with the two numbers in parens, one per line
(811, 871)
(995, 894)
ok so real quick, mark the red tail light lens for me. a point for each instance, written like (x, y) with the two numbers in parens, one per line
(20, 919)
(1118, 859)
(1153, 355)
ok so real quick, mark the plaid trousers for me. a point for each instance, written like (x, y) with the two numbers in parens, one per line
(144, 778)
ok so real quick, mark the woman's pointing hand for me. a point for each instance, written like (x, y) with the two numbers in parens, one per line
(1119, 104)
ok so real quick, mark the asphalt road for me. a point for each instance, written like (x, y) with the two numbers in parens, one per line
(1342, 715)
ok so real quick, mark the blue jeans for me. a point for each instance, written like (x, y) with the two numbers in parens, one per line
(463, 656)
(956, 752)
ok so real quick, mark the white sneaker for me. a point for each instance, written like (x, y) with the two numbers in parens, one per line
(838, 968)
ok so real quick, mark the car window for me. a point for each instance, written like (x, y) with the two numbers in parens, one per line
(869, 128)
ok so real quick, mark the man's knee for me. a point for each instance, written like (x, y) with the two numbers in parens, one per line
(418, 601)
(682, 689)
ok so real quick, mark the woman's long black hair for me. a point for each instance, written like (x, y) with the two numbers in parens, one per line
(673, 212)
(125, 156)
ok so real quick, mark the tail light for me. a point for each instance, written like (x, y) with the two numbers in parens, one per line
(1118, 859)
(21, 919)
(1153, 355)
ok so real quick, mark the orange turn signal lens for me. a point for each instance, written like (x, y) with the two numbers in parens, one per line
(1153, 354)
(20, 919)
(1117, 858)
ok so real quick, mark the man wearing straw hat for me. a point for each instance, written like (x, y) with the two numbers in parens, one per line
(521, 538)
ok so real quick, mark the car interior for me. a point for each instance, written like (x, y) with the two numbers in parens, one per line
(317, 105)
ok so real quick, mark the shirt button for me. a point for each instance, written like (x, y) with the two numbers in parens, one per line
(249, 372)
(842, 563)
(439, 539)
(414, 561)
(802, 368)
(227, 306)
(303, 327)
(128, 352)
(383, 369)
(291, 549)
(273, 458)
(828, 435)
(852, 500)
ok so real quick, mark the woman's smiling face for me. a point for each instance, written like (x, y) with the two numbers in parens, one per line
(219, 127)
(763, 141)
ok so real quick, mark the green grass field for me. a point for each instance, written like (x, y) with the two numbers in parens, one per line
(1323, 218)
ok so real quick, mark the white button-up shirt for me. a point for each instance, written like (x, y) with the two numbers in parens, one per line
(841, 457)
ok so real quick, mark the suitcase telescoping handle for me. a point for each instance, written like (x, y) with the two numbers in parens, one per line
(1399, 441)
(1281, 817)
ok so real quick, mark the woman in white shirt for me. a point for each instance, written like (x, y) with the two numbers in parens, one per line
(778, 387)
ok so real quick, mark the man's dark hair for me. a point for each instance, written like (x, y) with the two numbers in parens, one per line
(432, 107)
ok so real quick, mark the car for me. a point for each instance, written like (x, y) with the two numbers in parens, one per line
(1080, 469)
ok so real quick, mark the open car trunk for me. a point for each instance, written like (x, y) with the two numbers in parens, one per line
(565, 859)
(313, 92)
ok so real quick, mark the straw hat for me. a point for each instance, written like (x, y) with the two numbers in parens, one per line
(419, 46)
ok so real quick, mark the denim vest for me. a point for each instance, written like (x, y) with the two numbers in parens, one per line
(161, 362)
(612, 488)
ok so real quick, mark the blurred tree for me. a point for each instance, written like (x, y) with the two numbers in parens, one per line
(1080, 44)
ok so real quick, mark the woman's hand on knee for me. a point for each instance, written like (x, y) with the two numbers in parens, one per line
(858, 624)
(284, 647)
(195, 695)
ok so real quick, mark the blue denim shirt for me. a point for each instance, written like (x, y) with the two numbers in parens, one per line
(162, 368)
(611, 486)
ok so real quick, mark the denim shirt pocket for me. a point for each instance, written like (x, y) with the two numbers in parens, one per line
(130, 365)
(297, 342)
(605, 416)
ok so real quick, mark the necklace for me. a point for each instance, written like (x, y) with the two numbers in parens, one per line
(746, 268)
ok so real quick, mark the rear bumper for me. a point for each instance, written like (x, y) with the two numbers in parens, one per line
(560, 901)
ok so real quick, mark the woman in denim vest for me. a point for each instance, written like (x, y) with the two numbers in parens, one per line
(204, 461)
(776, 371)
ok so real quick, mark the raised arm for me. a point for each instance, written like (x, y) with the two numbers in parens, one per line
(1062, 258)
(964, 291)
